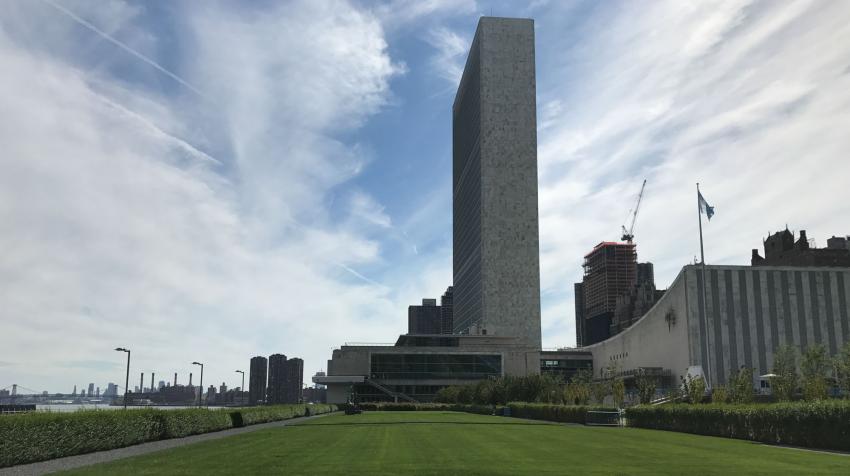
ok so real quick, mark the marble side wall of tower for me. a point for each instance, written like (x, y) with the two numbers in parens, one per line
(496, 235)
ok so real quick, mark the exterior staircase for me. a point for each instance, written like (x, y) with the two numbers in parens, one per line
(396, 395)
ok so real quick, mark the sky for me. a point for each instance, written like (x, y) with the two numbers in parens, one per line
(209, 181)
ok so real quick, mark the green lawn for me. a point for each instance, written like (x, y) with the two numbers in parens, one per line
(458, 443)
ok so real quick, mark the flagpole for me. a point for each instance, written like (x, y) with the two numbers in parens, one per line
(704, 312)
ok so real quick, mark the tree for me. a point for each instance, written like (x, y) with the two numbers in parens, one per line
(741, 385)
(693, 387)
(577, 391)
(842, 369)
(784, 384)
(646, 385)
(814, 367)
(720, 394)
(447, 394)
(599, 390)
(618, 391)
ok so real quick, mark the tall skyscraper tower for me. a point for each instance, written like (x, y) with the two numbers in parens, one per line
(277, 378)
(294, 370)
(496, 237)
(424, 319)
(257, 380)
(446, 312)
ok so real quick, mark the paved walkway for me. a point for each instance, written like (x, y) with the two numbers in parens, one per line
(72, 462)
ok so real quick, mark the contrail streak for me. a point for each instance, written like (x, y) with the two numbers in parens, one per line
(123, 46)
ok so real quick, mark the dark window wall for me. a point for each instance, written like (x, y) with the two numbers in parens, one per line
(435, 366)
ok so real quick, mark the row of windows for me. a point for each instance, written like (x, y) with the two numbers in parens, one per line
(435, 366)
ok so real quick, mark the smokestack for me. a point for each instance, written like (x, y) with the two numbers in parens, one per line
(190, 379)
(152, 375)
(174, 382)
(142, 383)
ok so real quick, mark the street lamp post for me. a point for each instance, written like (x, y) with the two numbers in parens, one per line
(127, 377)
(201, 392)
(242, 388)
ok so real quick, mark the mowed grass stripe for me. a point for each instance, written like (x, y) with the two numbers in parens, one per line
(456, 443)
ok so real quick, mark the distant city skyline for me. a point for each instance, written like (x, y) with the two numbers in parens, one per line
(250, 186)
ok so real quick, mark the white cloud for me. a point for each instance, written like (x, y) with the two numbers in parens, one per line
(400, 13)
(365, 208)
(746, 98)
(449, 59)
(119, 229)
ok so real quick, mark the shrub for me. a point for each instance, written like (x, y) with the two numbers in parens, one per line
(785, 368)
(741, 386)
(693, 388)
(265, 414)
(559, 413)
(599, 389)
(618, 391)
(447, 394)
(824, 424)
(814, 367)
(191, 421)
(842, 370)
(419, 407)
(646, 385)
(31, 437)
(720, 394)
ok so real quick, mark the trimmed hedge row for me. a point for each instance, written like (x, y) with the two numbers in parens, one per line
(32, 437)
(824, 424)
(550, 412)
(263, 414)
(418, 407)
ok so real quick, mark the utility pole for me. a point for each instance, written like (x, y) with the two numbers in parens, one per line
(127, 377)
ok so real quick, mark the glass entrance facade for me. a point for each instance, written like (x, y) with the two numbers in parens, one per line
(435, 366)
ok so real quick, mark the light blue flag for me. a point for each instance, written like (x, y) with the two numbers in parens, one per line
(704, 207)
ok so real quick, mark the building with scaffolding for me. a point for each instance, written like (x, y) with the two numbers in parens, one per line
(610, 271)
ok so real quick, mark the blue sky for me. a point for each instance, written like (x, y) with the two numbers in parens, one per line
(211, 181)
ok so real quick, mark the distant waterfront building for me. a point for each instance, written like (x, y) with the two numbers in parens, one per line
(495, 237)
(780, 249)
(318, 374)
(424, 319)
(257, 380)
(210, 398)
(581, 330)
(74, 393)
(315, 395)
(222, 389)
(446, 312)
(277, 378)
(91, 389)
(294, 381)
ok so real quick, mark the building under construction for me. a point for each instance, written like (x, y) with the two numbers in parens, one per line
(610, 270)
